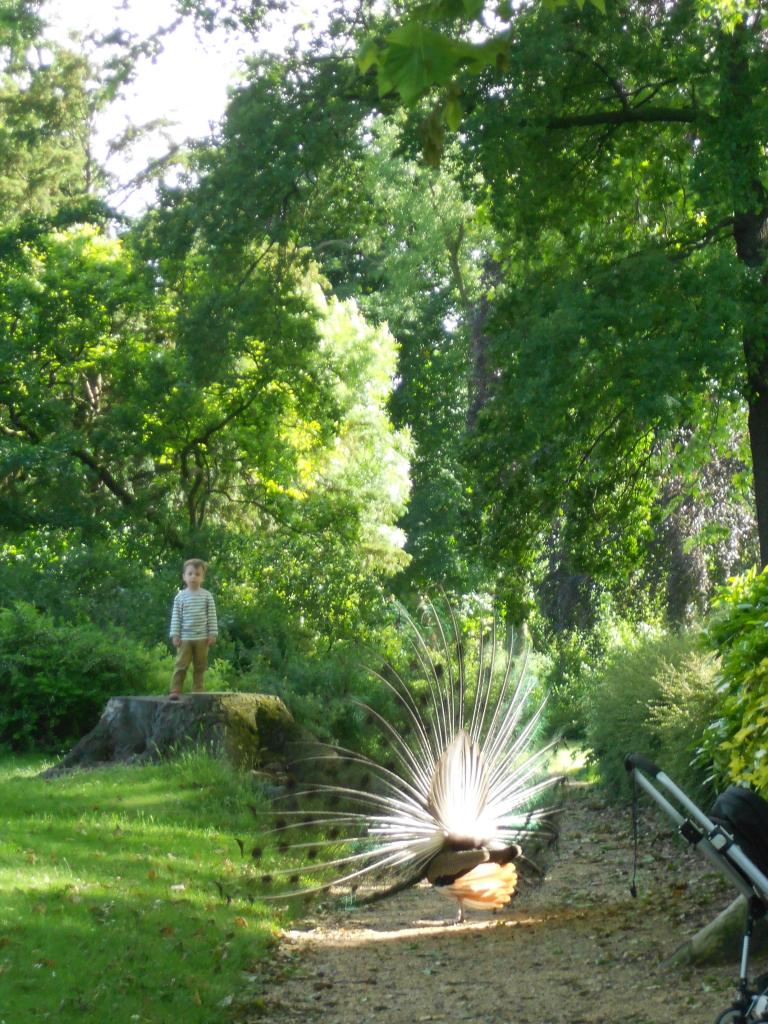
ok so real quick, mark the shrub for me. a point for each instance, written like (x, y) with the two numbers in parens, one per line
(655, 698)
(55, 677)
(738, 632)
(572, 660)
(567, 670)
(93, 583)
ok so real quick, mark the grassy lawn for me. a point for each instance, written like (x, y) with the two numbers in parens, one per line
(109, 903)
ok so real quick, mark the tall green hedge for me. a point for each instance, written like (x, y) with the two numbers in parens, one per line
(655, 698)
(737, 740)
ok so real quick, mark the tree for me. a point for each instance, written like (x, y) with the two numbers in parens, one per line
(304, 156)
(131, 399)
(410, 250)
(43, 117)
(622, 163)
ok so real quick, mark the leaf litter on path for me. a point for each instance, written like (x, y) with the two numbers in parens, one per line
(576, 948)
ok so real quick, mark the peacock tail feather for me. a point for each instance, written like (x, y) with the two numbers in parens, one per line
(458, 774)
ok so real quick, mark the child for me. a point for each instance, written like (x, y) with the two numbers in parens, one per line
(193, 628)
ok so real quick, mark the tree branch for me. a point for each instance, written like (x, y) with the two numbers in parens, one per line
(628, 115)
(453, 245)
(104, 476)
(213, 428)
(615, 84)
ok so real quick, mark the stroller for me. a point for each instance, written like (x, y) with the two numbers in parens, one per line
(734, 837)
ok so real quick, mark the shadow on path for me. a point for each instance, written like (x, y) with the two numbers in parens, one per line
(575, 949)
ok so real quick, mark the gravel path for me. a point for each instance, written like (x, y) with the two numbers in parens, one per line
(575, 949)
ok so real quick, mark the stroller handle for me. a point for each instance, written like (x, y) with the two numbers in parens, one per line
(697, 829)
(632, 761)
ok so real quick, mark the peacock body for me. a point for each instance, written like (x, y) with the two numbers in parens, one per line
(457, 798)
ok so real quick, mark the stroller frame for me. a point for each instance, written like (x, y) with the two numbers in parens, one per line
(722, 850)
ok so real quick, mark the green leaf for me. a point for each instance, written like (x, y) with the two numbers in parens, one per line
(368, 56)
(453, 113)
(473, 8)
(416, 58)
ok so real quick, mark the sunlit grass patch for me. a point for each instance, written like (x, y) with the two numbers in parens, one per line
(573, 762)
(111, 893)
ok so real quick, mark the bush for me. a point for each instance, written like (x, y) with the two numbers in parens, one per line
(655, 698)
(91, 583)
(572, 658)
(56, 677)
(738, 632)
(567, 671)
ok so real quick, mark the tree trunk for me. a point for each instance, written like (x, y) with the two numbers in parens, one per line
(751, 235)
(722, 938)
(480, 378)
(687, 578)
(252, 730)
(758, 442)
(739, 86)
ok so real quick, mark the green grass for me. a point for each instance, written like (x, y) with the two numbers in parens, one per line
(572, 761)
(109, 903)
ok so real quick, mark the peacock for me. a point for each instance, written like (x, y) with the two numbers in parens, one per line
(458, 792)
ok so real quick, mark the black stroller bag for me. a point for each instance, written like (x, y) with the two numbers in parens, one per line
(745, 815)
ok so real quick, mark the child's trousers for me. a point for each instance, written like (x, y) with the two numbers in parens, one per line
(195, 651)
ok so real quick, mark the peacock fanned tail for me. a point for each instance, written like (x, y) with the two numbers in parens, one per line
(461, 793)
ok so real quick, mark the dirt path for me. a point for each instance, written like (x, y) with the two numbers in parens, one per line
(576, 949)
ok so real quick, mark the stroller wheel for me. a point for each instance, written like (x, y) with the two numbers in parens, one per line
(731, 1016)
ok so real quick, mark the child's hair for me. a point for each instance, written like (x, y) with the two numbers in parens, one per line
(198, 563)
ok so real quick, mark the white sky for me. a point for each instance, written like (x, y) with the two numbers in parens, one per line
(187, 84)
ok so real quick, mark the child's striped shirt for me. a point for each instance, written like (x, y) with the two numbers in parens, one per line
(194, 615)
